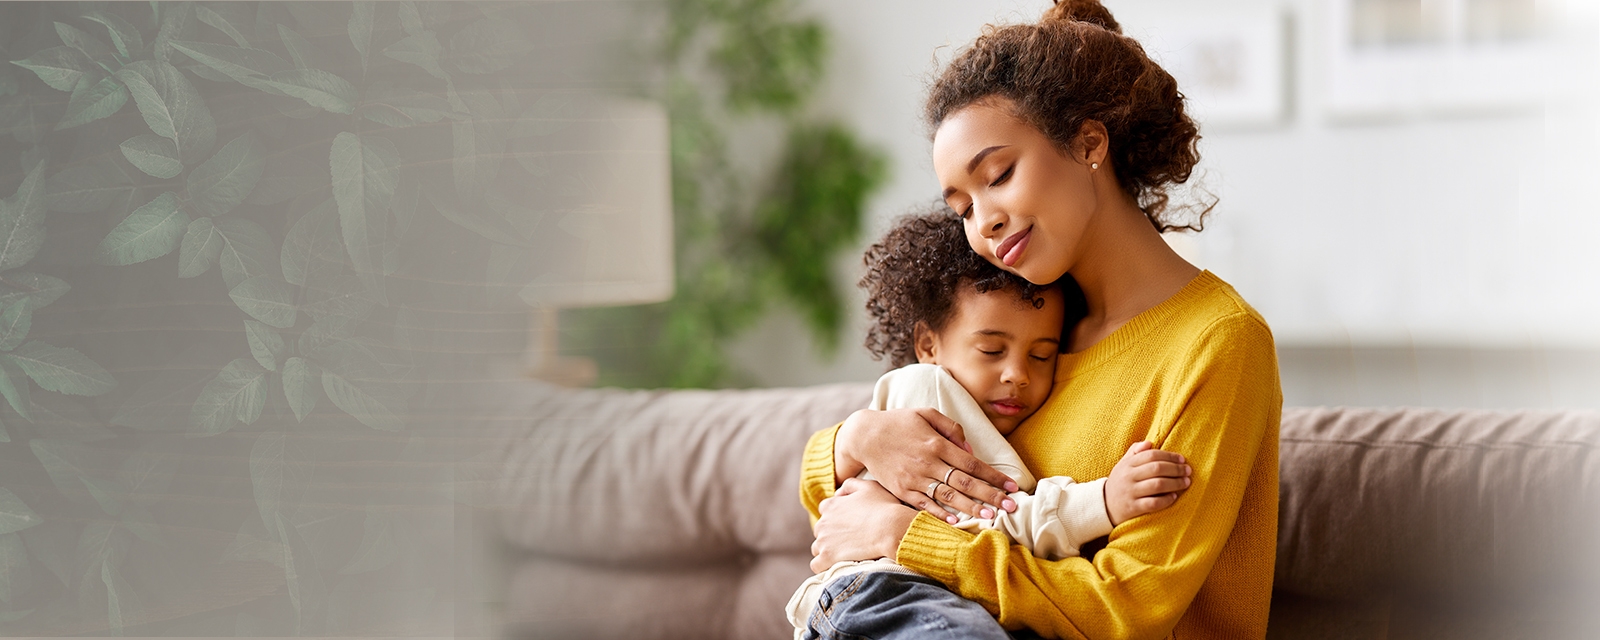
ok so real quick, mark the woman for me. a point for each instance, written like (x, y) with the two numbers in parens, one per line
(1055, 142)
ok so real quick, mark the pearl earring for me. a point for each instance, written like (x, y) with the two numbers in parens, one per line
(1093, 166)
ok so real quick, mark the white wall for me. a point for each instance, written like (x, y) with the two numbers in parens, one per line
(1417, 229)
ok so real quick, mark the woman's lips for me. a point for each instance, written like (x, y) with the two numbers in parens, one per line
(1010, 250)
(1007, 407)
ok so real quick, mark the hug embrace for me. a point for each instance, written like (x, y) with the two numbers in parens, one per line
(1082, 437)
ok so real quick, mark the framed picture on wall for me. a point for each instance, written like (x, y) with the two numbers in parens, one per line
(1423, 57)
(1230, 62)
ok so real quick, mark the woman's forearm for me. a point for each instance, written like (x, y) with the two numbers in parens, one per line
(845, 465)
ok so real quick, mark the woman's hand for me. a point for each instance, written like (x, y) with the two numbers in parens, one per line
(862, 521)
(909, 450)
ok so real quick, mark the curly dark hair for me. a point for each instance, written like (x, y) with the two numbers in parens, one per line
(915, 271)
(1072, 66)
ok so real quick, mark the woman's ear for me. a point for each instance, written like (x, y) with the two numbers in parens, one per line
(1092, 145)
(927, 348)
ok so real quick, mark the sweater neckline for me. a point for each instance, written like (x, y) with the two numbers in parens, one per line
(1136, 329)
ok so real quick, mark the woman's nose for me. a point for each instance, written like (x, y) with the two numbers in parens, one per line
(989, 220)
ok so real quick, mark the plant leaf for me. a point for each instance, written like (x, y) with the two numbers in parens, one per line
(226, 179)
(266, 299)
(249, 67)
(365, 174)
(89, 188)
(247, 250)
(41, 289)
(410, 19)
(15, 575)
(206, 15)
(113, 601)
(422, 50)
(15, 320)
(237, 393)
(360, 28)
(59, 67)
(201, 247)
(62, 369)
(14, 386)
(170, 105)
(300, 386)
(357, 383)
(265, 344)
(14, 514)
(22, 221)
(124, 36)
(491, 228)
(77, 39)
(266, 476)
(152, 154)
(325, 332)
(93, 102)
(376, 550)
(479, 144)
(175, 18)
(151, 231)
(304, 54)
(487, 46)
(318, 88)
(312, 245)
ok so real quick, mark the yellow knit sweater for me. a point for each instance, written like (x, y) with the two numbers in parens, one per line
(1196, 375)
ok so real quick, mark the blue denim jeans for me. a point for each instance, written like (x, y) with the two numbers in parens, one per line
(885, 605)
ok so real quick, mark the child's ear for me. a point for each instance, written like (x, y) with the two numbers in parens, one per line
(927, 349)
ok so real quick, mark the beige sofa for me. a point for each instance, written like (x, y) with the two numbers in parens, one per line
(629, 514)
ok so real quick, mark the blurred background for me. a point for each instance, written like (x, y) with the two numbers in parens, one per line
(1404, 185)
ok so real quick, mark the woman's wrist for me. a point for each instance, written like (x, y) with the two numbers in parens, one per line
(899, 525)
(845, 464)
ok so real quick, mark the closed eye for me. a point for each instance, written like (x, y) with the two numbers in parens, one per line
(1003, 176)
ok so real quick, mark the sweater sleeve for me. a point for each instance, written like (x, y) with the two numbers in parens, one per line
(1141, 583)
(1055, 520)
(816, 471)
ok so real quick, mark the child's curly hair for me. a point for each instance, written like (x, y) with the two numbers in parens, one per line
(913, 275)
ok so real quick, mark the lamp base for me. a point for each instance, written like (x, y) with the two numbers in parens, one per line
(543, 360)
(567, 372)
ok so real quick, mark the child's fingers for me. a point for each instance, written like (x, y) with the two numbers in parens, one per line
(1148, 455)
(1159, 470)
(1157, 486)
(1152, 504)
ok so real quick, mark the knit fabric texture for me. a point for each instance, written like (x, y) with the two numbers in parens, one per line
(1196, 375)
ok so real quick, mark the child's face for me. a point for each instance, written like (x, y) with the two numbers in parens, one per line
(1001, 349)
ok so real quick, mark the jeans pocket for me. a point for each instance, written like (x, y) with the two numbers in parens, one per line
(835, 596)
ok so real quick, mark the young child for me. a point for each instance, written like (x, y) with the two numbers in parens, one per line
(979, 345)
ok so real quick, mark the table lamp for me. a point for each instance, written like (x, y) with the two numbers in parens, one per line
(607, 196)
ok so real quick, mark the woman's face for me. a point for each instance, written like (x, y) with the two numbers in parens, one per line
(1025, 203)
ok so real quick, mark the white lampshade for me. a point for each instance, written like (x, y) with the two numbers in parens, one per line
(610, 204)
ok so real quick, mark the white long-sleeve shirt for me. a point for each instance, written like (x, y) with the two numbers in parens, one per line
(1054, 517)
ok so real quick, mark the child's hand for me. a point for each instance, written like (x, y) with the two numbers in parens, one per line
(1146, 480)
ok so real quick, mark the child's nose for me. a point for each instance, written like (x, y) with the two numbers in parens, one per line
(1016, 374)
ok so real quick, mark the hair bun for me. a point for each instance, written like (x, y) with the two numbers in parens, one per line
(1090, 11)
